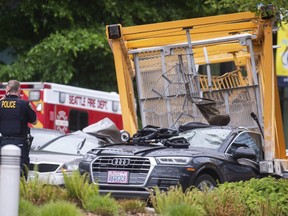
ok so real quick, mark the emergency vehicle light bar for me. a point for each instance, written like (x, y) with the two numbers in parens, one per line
(47, 86)
(26, 86)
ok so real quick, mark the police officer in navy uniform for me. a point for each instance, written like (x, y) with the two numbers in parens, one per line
(15, 114)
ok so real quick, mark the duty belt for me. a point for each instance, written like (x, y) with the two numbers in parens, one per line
(14, 137)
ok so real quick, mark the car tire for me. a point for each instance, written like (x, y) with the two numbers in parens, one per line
(205, 182)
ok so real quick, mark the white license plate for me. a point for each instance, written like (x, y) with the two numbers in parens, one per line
(118, 177)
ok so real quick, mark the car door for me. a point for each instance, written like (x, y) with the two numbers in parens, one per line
(243, 168)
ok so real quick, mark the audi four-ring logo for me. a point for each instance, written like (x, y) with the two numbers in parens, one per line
(120, 161)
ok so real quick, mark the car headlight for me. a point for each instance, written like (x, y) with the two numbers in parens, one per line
(89, 157)
(173, 160)
(69, 167)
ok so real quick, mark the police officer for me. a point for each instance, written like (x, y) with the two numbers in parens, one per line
(15, 114)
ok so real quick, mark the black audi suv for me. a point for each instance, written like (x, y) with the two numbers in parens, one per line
(195, 155)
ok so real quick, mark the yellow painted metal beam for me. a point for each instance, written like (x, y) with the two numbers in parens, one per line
(274, 137)
(230, 28)
(242, 59)
(220, 19)
(268, 94)
(158, 41)
(125, 85)
(160, 34)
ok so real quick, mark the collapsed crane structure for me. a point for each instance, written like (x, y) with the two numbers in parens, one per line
(165, 58)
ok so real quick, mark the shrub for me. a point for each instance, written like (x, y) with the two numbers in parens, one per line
(174, 196)
(79, 189)
(223, 202)
(37, 192)
(60, 208)
(102, 205)
(75, 184)
(26, 208)
(262, 195)
(184, 209)
(132, 206)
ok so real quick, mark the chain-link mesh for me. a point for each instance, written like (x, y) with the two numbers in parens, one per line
(169, 93)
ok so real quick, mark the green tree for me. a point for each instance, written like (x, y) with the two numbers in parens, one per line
(279, 7)
(64, 41)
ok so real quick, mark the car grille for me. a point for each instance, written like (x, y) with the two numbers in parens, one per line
(43, 167)
(138, 169)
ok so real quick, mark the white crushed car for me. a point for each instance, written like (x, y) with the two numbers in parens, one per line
(42, 135)
(63, 154)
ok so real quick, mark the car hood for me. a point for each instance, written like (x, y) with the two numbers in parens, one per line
(151, 151)
(37, 157)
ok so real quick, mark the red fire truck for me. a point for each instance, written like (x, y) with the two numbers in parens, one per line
(68, 108)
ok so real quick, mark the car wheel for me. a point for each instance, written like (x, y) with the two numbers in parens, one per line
(205, 182)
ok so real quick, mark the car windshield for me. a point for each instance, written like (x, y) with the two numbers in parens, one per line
(43, 136)
(71, 144)
(206, 137)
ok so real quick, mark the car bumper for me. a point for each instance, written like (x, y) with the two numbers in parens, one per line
(167, 176)
(47, 178)
(161, 176)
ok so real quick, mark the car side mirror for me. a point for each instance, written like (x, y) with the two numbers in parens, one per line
(244, 152)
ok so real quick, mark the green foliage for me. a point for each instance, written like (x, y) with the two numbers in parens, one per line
(60, 208)
(184, 209)
(26, 208)
(132, 206)
(102, 205)
(64, 41)
(79, 189)
(281, 6)
(75, 184)
(57, 11)
(221, 202)
(259, 197)
(61, 50)
(37, 192)
(262, 195)
(65, 51)
(174, 196)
